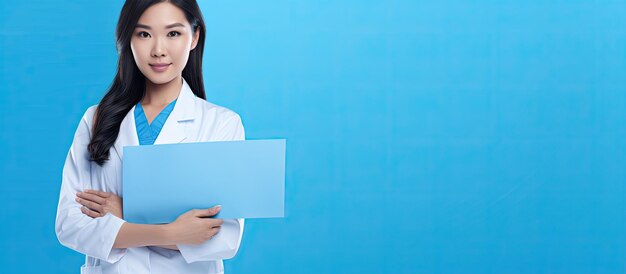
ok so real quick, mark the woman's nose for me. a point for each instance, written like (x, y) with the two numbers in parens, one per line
(158, 53)
(158, 50)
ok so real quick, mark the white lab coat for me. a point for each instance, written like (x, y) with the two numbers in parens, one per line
(192, 120)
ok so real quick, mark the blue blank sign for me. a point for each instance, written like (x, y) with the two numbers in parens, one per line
(247, 178)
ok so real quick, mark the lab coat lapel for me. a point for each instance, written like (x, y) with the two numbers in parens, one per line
(127, 135)
(173, 130)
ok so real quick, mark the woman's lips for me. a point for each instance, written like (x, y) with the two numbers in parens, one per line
(160, 67)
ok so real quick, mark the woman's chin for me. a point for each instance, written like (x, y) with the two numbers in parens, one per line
(160, 78)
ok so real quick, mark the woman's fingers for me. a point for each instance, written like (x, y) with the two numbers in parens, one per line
(215, 222)
(90, 204)
(99, 193)
(91, 197)
(207, 212)
(89, 212)
(214, 231)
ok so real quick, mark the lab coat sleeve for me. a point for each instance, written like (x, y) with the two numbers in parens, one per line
(225, 244)
(91, 236)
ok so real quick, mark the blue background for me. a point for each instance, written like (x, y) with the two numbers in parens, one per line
(423, 136)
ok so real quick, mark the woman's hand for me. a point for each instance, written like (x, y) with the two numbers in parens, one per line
(193, 228)
(98, 203)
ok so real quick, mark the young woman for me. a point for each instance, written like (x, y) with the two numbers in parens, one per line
(157, 97)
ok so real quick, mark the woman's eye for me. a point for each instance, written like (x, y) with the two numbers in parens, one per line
(174, 33)
(143, 34)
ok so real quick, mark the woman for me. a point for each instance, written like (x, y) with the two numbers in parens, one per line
(156, 97)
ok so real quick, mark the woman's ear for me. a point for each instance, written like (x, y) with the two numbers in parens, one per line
(196, 36)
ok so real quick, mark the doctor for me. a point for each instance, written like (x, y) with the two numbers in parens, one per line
(157, 97)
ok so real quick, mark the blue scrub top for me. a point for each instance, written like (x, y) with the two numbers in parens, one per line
(148, 133)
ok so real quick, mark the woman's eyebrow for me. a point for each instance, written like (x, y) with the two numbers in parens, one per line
(167, 27)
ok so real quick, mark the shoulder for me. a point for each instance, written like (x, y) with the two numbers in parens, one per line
(88, 116)
(219, 123)
(84, 128)
(216, 113)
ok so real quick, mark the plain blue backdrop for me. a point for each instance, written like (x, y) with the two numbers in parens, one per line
(423, 136)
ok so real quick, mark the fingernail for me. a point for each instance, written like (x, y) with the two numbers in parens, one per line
(217, 206)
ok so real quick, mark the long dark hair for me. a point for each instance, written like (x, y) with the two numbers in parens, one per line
(129, 84)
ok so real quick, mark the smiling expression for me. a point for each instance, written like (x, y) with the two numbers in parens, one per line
(161, 42)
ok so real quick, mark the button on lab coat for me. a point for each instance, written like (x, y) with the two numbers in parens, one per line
(192, 120)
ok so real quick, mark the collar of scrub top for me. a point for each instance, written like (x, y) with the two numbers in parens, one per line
(148, 132)
(173, 131)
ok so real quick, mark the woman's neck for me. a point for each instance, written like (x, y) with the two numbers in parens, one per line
(162, 94)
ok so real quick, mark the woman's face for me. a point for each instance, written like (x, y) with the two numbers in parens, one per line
(161, 42)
